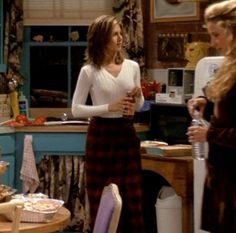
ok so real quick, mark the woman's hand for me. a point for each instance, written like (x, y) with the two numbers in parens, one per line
(116, 106)
(197, 133)
(125, 105)
(199, 103)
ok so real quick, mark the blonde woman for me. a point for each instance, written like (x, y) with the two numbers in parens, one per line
(219, 197)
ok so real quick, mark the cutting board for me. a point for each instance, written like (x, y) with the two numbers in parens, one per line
(170, 150)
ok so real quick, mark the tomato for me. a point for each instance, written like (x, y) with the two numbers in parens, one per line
(39, 120)
(22, 119)
(13, 124)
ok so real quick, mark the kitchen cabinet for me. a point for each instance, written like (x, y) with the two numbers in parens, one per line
(59, 140)
(47, 140)
(49, 143)
(178, 171)
(56, 140)
(52, 58)
(7, 145)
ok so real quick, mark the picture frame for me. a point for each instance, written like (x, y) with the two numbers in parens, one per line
(171, 46)
(174, 10)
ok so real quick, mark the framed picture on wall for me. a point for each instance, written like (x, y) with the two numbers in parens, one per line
(174, 10)
(171, 46)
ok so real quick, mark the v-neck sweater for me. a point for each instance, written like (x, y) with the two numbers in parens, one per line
(104, 89)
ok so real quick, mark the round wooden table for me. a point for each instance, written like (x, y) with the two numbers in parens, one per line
(58, 223)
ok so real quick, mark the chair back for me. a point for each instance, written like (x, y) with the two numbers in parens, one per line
(109, 210)
(15, 208)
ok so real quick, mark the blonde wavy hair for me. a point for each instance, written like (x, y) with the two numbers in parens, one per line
(223, 14)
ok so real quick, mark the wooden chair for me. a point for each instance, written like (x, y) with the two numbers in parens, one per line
(109, 210)
(15, 208)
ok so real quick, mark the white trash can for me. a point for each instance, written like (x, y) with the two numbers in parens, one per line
(168, 211)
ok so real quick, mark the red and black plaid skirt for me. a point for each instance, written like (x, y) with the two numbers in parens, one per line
(113, 156)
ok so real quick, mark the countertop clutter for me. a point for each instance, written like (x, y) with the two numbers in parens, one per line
(39, 214)
(58, 223)
(5, 191)
(60, 128)
(163, 149)
(52, 120)
(37, 207)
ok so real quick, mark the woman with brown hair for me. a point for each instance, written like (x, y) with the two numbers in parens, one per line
(112, 147)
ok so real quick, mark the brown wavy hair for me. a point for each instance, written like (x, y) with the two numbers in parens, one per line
(223, 14)
(99, 35)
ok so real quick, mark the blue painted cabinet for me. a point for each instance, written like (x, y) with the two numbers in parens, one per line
(48, 144)
(7, 143)
(44, 143)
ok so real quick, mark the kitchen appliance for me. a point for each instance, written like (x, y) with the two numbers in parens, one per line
(180, 82)
(204, 72)
(169, 123)
(180, 85)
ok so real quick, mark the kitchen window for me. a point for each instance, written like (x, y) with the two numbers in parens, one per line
(53, 57)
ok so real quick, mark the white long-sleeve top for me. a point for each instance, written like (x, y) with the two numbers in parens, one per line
(104, 88)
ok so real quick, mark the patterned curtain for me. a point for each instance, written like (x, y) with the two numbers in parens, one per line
(63, 177)
(130, 13)
(13, 41)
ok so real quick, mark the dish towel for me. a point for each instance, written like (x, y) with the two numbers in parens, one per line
(28, 173)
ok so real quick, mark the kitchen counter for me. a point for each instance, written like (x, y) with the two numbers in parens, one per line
(5, 129)
(55, 140)
(69, 128)
(47, 140)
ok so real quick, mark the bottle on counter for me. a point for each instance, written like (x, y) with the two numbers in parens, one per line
(23, 104)
(129, 114)
(199, 149)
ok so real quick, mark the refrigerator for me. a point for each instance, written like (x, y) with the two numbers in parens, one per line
(204, 72)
